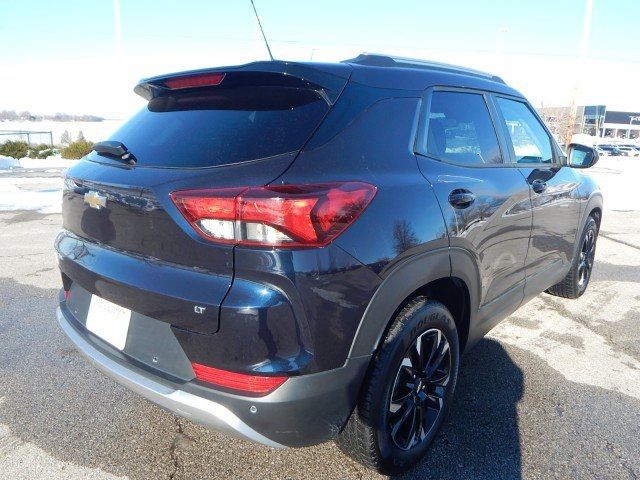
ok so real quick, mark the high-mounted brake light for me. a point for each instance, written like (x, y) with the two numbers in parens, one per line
(277, 216)
(252, 384)
(192, 81)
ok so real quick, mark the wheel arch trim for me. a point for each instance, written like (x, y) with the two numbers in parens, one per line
(407, 277)
(595, 202)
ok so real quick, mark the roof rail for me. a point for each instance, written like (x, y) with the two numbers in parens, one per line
(379, 60)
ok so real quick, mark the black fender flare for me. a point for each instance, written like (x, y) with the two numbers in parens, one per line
(594, 201)
(405, 278)
(464, 266)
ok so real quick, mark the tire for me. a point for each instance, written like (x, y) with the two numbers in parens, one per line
(369, 437)
(575, 283)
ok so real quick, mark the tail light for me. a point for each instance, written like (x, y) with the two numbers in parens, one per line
(283, 216)
(252, 384)
(192, 81)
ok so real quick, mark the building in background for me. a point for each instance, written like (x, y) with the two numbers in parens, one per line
(593, 120)
(621, 125)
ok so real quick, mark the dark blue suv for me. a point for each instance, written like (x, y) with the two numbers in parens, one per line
(299, 252)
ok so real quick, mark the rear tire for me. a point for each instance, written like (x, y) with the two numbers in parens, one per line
(575, 283)
(408, 391)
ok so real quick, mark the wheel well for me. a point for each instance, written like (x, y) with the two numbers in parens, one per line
(453, 293)
(596, 213)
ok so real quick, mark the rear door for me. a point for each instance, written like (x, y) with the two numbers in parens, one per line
(485, 202)
(554, 195)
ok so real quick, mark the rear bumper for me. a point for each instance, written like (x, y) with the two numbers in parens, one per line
(306, 410)
(197, 409)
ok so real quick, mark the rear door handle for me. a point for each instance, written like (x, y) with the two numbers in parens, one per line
(461, 198)
(539, 186)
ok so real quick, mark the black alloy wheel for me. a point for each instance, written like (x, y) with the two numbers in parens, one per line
(575, 282)
(408, 390)
(587, 254)
(418, 392)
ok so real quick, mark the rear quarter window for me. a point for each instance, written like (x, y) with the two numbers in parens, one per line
(211, 127)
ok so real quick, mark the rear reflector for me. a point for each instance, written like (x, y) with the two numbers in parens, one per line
(254, 384)
(283, 216)
(192, 81)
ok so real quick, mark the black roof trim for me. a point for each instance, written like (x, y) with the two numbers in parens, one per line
(379, 60)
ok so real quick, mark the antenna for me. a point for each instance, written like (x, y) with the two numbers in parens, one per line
(261, 30)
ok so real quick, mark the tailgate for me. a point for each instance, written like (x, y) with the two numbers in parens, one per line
(124, 238)
(135, 249)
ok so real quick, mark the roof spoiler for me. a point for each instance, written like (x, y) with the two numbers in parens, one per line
(327, 79)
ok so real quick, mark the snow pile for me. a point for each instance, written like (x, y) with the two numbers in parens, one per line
(6, 163)
(53, 161)
(43, 195)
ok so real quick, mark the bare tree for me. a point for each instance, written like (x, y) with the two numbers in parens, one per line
(65, 138)
(404, 237)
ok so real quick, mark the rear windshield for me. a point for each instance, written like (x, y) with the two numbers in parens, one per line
(209, 127)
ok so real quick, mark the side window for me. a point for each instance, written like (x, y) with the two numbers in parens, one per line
(459, 129)
(531, 144)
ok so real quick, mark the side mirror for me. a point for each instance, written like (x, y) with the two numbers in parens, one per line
(581, 156)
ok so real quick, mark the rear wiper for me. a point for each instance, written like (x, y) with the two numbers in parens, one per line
(116, 150)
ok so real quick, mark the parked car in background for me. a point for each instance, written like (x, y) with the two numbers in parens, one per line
(299, 252)
(611, 150)
(629, 150)
(601, 151)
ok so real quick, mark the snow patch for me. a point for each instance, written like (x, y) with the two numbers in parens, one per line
(43, 195)
(53, 161)
(570, 348)
(7, 163)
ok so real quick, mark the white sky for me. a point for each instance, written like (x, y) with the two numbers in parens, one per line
(79, 89)
(83, 66)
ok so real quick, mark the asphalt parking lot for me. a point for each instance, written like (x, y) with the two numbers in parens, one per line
(553, 392)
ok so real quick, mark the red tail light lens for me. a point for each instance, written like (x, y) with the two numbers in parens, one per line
(192, 81)
(283, 216)
(253, 384)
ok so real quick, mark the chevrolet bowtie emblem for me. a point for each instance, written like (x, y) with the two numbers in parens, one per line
(95, 200)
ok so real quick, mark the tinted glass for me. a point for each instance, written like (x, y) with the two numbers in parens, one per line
(460, 129)
(209, 127)
(529, 138)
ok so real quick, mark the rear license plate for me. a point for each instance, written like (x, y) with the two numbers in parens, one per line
(108, 321)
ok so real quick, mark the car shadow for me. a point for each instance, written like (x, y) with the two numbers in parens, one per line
(480, 439)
